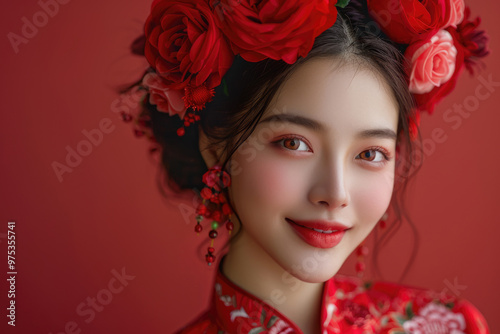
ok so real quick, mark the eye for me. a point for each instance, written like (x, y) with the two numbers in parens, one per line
(374, 155)
(293, 143)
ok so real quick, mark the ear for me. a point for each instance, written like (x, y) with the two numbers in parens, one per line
(210, 154)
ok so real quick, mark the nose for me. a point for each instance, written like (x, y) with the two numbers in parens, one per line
(329, 186)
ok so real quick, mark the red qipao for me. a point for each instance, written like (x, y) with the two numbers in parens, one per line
(349, 306)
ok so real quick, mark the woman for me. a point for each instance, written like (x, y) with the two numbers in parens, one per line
(295, 123)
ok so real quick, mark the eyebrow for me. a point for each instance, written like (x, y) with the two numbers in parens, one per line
(295, 119)
(317, 126)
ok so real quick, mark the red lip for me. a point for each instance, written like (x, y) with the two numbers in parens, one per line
(326, 239)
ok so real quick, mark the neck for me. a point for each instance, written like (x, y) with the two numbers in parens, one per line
(251, 268)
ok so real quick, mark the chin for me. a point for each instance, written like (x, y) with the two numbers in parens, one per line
(314, 269)
(317, 277)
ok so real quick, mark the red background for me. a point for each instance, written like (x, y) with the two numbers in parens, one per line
(107, 213)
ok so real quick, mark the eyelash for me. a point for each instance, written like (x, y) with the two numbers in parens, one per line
(380, 149)
(277, 142)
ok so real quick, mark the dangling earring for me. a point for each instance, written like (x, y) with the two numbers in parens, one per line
(362, 250)
(383, 221)
(214, 206)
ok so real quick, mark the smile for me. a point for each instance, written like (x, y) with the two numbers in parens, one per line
(319, 238)
(315, 229)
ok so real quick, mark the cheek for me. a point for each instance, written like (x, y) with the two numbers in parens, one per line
(371, 195)
(265, 183)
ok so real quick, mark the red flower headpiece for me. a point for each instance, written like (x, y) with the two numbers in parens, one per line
(440, 41)
(191, 44)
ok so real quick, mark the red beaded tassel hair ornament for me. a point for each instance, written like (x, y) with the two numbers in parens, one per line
(191, 44)
(214, 206)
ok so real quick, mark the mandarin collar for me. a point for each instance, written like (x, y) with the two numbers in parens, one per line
(239, 311)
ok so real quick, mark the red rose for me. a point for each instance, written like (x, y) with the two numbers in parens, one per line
(404, 21)
(184, 45)
(273, 29)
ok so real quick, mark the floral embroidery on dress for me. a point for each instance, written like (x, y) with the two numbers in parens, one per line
(238, 313)
(436, 319)
(433, 318)
(330, 309)
(349, 306)
(227, 300)
(362, 307)
(266, 323)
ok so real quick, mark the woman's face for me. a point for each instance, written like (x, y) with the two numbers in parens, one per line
(337, 166)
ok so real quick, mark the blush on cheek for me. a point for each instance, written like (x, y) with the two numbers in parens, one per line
(268, 182)
(372, 196)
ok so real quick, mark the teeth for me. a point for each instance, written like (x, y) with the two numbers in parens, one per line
(315, 229)
(326, 232)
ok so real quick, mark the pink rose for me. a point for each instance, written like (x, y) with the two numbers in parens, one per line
(456, 10)
(427, 101)
(166, 100)
(433, 63)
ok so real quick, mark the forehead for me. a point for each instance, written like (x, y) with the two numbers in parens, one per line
(337, 94)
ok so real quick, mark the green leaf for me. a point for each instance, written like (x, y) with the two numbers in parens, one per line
(256, 330)
(263, 316)
(272, 321)
(342, 3)
(409, 311)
